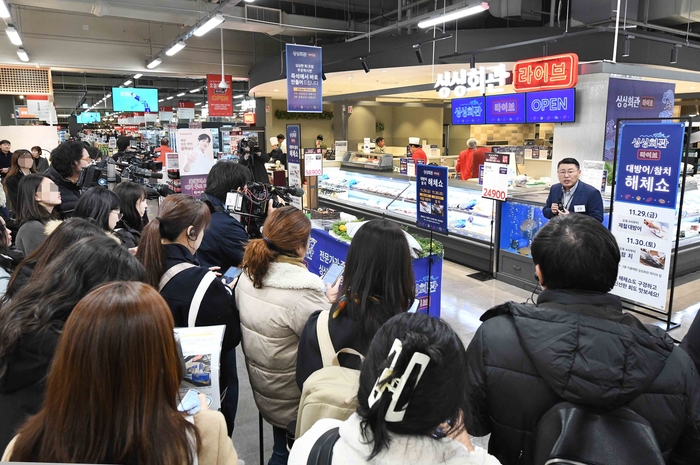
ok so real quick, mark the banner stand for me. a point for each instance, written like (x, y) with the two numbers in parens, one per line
(635, 307)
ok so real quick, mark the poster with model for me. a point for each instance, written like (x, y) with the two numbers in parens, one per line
(195, 157)
(201, 354)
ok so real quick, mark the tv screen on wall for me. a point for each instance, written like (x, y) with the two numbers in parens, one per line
(505, 109)
(135, 99)
(551, 106)
(468, 111)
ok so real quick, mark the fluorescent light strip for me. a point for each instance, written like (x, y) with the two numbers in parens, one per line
(153, 63)
(179, 45)
(13, 35)
(137, 76)
(22, 54)
(483, 6)
(169, 98)
(210, 24)
(194, 91)
(239, 96)
(4, 11)
(181, 94)
(128, 82)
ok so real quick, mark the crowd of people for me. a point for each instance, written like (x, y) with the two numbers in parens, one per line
(90, 369)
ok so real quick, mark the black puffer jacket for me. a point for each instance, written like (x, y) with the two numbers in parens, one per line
(578, 347)
(70, 193)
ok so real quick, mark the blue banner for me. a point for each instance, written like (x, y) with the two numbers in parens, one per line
(431, 197)
(304, 83)
(556, 106)
(293, 143)
(649, 163)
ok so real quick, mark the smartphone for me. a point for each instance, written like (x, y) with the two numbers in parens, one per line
(190, 403)
(333, 274)
(231, 274)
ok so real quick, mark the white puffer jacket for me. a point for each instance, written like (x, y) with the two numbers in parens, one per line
(272, 319)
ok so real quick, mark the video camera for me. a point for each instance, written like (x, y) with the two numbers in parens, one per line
(252, 203)
(248, 145)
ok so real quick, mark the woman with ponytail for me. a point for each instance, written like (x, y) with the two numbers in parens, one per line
(275, 296)
(166, 250)
(412, 401)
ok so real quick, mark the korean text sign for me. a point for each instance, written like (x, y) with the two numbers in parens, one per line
(495, 177)
(220, 100)
(468, 111)
(431, 196)
(304, 83)
(505, 109)
(313, 162)
(551, 72)
(294, 159)
(556, 106)
(644, 209)
(479, 79)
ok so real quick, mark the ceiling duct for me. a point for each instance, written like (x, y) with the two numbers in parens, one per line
(265, 20)
(516, 9)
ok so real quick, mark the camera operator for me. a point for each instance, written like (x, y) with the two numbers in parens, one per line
(124, 149)
(66, 162)
(255, 159)
(225, 240)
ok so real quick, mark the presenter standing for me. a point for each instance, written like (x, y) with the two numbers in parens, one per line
(571, 195)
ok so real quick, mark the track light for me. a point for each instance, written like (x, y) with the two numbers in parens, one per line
(13, 35)
(483, 6)
(419, 54)
(472, 61)
(674, 54)
(365, 66)
(628, 45)
(179, 45)
(545, 49)
(137, 76)
(210, 24)
(4, 11)
(154, 62)
(22, 54)
(323, 75)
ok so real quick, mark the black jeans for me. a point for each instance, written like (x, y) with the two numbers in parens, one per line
(229, 406)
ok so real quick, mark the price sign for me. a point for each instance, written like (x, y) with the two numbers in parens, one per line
(313, 162)
(495, 183)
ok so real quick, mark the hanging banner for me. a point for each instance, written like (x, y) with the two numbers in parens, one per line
(431, 197)
(195, 158)
(495, 176)
(294, 159)
(313, 162)
(185, 110)
(628, 98)
(220, 100)
(151, 117)
(644, 209)
(165, 114)
(304, 83)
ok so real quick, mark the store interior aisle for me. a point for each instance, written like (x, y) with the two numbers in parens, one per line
(464, 300)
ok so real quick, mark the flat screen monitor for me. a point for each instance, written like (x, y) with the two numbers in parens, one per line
(468, 110)
(551, 106)
(134, 99)
(505, 109)
(88, 117)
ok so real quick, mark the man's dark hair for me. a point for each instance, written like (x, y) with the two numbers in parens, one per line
(94, 152)
(4, 141)
(204, 136)
(576, 252)
(123, 143)
(165, 141)
(378, 140)
(280, 136)
(319, 137)
(569, 161)
(65, 156)
(225, 176)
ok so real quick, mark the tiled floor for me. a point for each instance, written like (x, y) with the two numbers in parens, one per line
(464, 300)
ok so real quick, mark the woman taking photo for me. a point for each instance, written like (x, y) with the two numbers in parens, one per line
(31, 324)
(36, 200)
(101, 205)
(100, 418)
(195, 295)
(275, 296)
(132, 203)
(378, 283)
(40, 163)
(21, 165)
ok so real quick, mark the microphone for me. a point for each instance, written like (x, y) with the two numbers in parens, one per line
(293, 191)
(560, 203)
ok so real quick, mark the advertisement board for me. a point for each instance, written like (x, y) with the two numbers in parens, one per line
(551, 106)
(468, 111)
(294, 159)
(304, 83)
(495, 176)
(313, 162)
(220, 100)
(195, 159)
(505, 109)
(185, 110)
(134, 99)
(88, 117)
(431, 197)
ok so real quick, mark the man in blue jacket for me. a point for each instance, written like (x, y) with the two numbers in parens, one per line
(571, 195)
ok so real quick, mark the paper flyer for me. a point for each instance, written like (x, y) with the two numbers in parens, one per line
(201, 349)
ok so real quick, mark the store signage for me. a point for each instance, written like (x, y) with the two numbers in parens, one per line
(139, 118)
(172, 161)
(294, 159)
(248, 105)
(469, 111)
(249, 118)
(313, 162)
(165, 114)
(505, 109)
(431, 197)
(546, 73)
(495, 176)
(341, 148)
(481, 79)
(112, 142)
(40, 106)
(407, 166)
(220, 100)
(594, 174)
(185, 110)
(551, 106)
(195, 158)
(304, 83)
(645, 209)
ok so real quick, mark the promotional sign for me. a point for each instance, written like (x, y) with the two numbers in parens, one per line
(546, 73)
(552, 106)
(165, 114)
(40, 106)
(88, 117)
(431, 197)
(365, 145)
(644, 209)
(495, 177)
(294, 159)
(313, 162)
(594, 174)
(112, 143)
(341, 148)
(249, 118)
(469, 111)
(134, 99)
(481, 79)
(505, 109)
(201, 352)
(304, 83)
(220, 100)
(403, 166)
(629, 98)
(185, 110)
(195, 159)
(172, 161)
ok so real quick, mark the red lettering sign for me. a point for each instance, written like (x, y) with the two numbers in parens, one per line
(249, 118)
(220, 100)
(547, 73)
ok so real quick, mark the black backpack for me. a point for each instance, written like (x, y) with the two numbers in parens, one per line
(572, 435)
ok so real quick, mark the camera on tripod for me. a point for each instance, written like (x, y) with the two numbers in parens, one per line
(252, 203)
(248, 145)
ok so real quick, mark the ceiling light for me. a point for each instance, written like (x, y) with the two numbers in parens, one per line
(21, 97)
(128, 82)
(239, 96)
(194, 91)
(628, 44)
(179, 45)
(197, 104)
(210, 24)
(137, 76)
(419, 54)
(13, 35)
(276, 90)
(160, 100)
(4, 11)
(22, 54)
(365, 66)
(181, 94)
(153, 63)
(464, 12)
(169, 98)
(674, 54)
(107, 96)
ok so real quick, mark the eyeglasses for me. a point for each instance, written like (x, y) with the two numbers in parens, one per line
(564, 173)
(120, 215)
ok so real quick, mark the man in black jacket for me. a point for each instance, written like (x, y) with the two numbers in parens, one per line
(66, 162)
(577, 346)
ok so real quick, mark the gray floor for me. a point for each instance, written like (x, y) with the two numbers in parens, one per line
(464, 300)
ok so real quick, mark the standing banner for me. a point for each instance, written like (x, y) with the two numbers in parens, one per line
(495, 176)
(304, 83)
(594, 174)
(220, 100)
(185, 110)
(313, 162)
(644, 209)
(431, 198)
(195, 158)
(294, 159)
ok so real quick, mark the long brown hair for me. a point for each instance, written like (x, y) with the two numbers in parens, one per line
(177, 213)
(28, 208)
(285, 230)
(113, 386)
(14, 163)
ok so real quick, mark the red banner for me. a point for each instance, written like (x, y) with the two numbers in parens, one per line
(547, 73)
(249, 118)
(220, 100)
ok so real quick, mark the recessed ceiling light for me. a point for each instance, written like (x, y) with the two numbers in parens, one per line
(276, 90)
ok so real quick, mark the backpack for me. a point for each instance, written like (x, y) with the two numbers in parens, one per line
(330, 392)
(571, 434)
